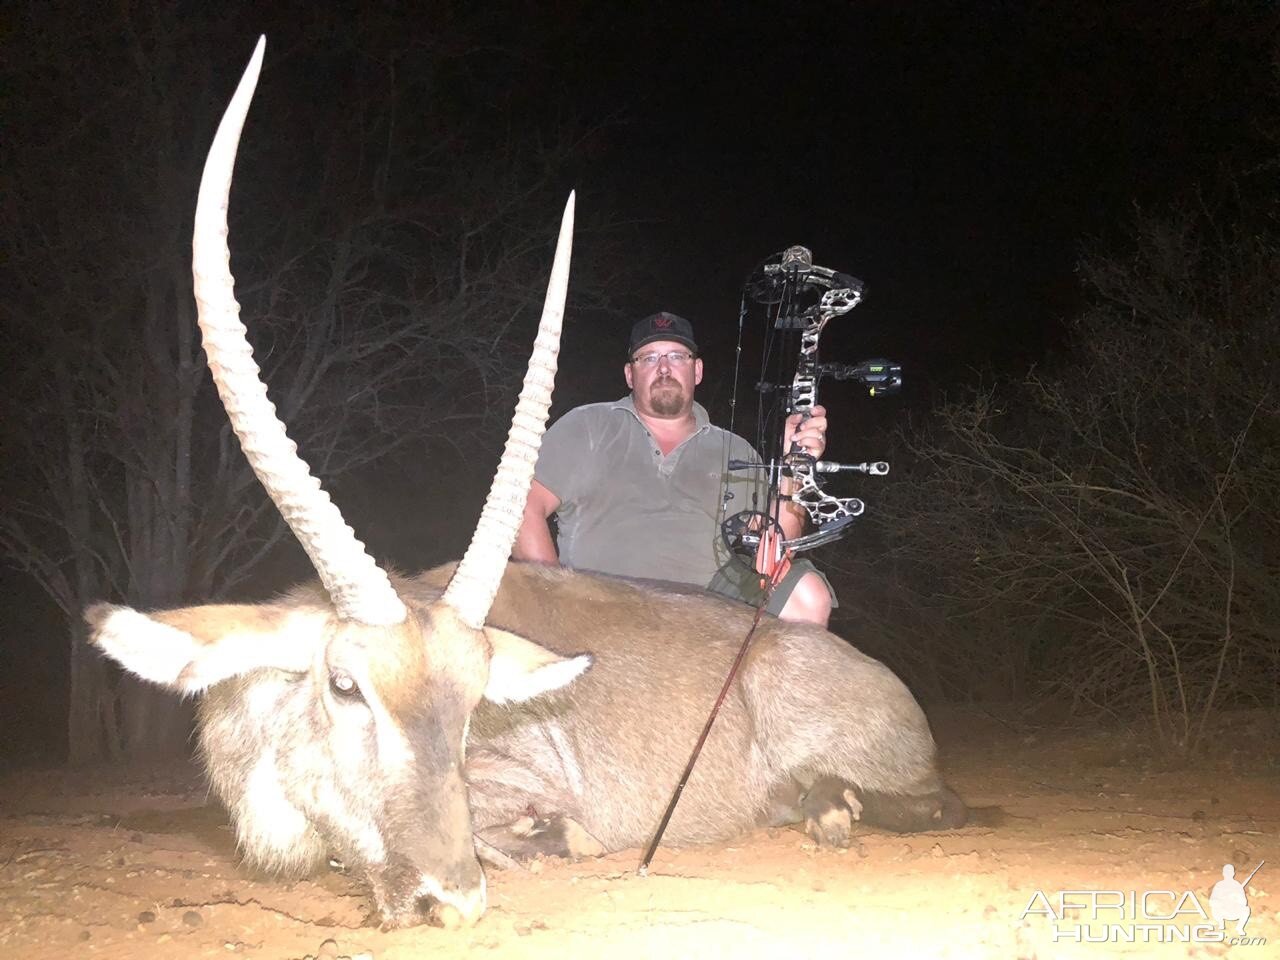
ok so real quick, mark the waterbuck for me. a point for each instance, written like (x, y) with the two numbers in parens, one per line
(412, 727)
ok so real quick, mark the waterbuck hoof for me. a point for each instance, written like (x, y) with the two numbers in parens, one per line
(831, 809)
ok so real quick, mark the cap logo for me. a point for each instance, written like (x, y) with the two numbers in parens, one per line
(662, 322)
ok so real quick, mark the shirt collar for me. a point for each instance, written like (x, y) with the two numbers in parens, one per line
(700, 418)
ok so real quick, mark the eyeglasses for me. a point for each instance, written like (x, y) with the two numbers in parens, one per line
(677, 358)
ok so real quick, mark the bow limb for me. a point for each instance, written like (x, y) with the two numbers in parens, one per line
(829, 515)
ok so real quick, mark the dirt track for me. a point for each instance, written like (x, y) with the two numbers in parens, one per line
(113, 867)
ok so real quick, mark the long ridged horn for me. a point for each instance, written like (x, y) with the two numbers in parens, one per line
(475, 582)
(358, 587)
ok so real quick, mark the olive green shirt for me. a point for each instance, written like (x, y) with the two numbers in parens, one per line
(628, 510)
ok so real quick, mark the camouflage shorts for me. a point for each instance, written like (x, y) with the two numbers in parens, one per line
(738, 582)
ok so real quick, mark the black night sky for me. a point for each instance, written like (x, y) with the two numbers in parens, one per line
(955, 156)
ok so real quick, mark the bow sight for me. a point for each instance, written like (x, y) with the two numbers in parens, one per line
(799, 299)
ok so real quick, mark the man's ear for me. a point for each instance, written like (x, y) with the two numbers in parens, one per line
(628, 373)
(697, 370)
(521, 669)
(190, 649)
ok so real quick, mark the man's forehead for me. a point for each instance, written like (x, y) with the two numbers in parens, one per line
(661, 346)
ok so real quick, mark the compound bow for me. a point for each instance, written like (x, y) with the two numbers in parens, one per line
(799, 298)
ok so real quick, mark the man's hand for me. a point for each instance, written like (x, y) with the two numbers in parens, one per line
(811, 434)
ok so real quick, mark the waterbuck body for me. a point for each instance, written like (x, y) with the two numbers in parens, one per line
(321, 744)
(411, 726)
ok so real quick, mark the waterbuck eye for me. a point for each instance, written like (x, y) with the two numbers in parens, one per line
(343, 686)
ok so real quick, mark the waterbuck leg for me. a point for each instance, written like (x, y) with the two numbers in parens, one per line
(491, 855)
(939, 809)
(530, 837)
(831, 807)
(876, 745)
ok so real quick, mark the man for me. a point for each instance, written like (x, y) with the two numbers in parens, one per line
(639, 486)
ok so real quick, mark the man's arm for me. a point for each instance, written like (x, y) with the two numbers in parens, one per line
(811, 434)
(791, 516)
(533, 541)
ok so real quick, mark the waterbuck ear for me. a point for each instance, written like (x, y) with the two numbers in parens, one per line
(521, 669)
(192, 648)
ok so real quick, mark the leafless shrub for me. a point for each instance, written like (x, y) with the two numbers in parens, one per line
(1107, 527)
(393, 245)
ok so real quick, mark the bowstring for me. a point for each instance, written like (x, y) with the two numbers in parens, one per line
(726, 440)
(771, 426)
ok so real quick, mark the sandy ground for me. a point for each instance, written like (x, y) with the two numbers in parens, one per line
(112, 866)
